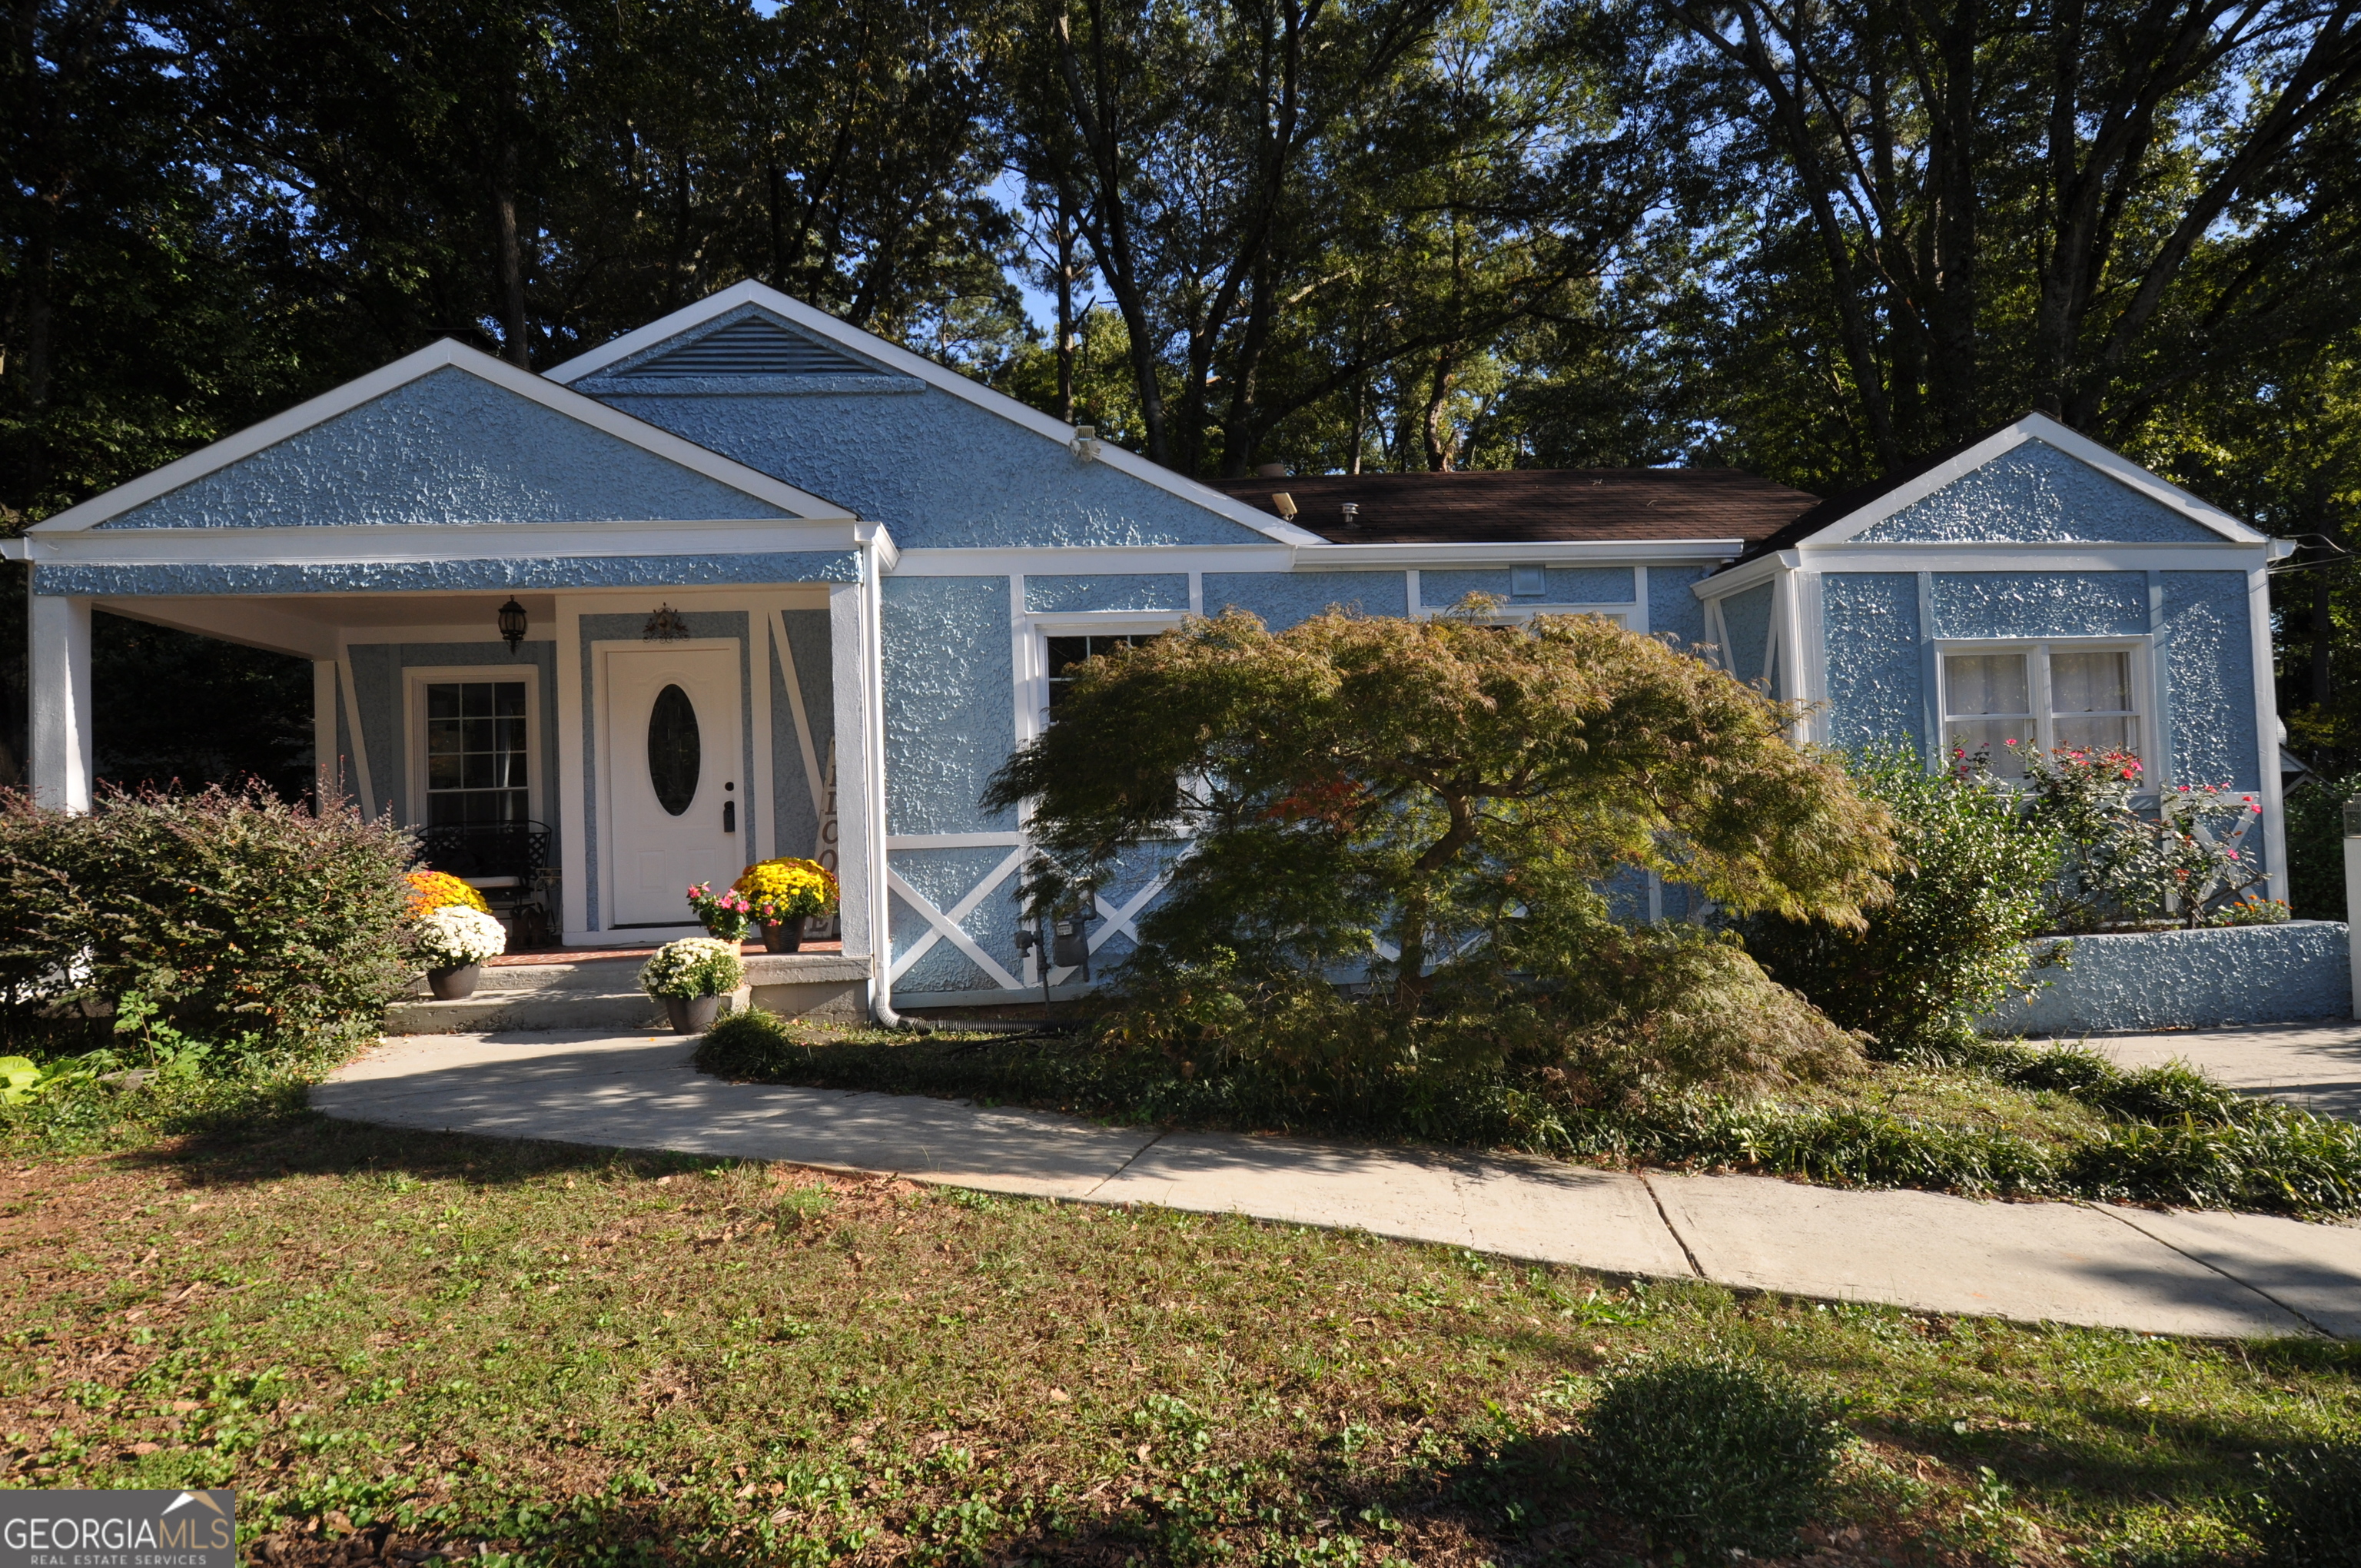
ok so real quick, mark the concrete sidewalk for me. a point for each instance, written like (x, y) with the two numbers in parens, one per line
(2208, 1275)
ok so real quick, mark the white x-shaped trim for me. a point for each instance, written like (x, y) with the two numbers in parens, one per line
(948, 927)
(1115, 920)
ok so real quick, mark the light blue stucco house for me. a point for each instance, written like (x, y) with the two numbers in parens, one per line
(787, 588)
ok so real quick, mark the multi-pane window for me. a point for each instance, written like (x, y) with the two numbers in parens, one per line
(1065, 652)
(2047, 697)
(476, 746)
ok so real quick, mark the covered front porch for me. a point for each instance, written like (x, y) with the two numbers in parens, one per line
(590, 759)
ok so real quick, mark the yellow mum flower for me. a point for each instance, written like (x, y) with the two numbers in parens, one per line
(786, 889)
(441, 890)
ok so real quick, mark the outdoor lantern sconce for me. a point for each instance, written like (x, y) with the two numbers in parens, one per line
(512, 625)
(666, 625)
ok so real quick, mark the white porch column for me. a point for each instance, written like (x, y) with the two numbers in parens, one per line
(58, 678)
(859, 776)
(327, 764)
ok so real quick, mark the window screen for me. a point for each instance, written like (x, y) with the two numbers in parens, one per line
(476, 753)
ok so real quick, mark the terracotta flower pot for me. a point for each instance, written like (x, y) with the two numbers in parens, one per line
(692, 1015)
(785, 936)
(454, 983)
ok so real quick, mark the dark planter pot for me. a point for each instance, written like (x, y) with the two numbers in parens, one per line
(692, 1015)
(454, 983)
(784, 937)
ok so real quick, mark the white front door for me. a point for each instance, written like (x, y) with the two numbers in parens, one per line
(674, 801)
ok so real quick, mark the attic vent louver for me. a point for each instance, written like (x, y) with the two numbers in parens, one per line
(752, 348)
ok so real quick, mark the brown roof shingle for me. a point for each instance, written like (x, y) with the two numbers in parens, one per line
(1524, 505)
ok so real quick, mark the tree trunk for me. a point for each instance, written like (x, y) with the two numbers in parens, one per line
(508, 260)
(1434, 423)
(1065, 300)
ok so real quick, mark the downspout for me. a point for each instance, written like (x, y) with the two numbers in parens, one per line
(880, 909)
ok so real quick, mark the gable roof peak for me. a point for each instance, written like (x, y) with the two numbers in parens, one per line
(443, 354)
(898, 361)
(1844, 517)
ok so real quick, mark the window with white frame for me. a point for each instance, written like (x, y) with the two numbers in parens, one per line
(2053, 695)
(473, 753)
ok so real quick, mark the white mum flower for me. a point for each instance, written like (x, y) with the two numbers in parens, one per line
(455, 935)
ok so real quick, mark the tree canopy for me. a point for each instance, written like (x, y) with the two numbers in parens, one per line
(1356, 788)
(1819, 241)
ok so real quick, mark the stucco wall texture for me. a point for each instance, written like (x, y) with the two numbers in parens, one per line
(2192, 980)
(1284, 599)
(1673, 609)
(446, 448)
(951, 708)
(2034, 493)
(1873, 657)
(2040, 604)
(2210, 674)
(1111, 591)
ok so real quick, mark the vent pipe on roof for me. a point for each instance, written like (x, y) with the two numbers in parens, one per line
(1351, 514)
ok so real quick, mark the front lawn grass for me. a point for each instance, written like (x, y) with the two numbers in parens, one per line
(392, 1343)
(2005, 1120)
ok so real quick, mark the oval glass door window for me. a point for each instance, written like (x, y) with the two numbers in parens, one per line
(674, 752)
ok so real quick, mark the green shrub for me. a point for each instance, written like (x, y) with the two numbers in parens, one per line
(232, 914)
(2148, 1094)
(2306, 1511)
(1718, 1454)
(1435, 808)
(1946, 948)
(751, 1044)
(2272, 1157)
(1613, 1020)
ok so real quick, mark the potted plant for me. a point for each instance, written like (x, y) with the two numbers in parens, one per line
(690, 977)
(723, 914)
(453, 943)
(781, 895)
(441, 890)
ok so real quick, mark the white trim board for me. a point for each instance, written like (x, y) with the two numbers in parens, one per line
(899, 359)
(410, 367)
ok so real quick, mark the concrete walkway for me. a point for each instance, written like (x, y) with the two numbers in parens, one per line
(2316, 1065)
(2208, 1275)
